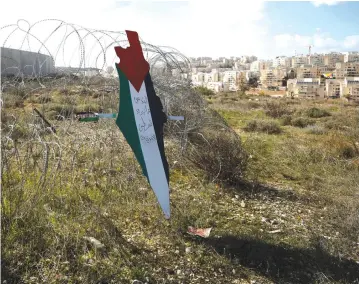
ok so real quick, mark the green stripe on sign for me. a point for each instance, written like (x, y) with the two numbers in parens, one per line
(126, 120)
(88, 119)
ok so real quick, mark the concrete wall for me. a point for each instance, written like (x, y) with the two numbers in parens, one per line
(19, 62)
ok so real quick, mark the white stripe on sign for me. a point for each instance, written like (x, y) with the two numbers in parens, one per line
(171, 117)
(106, 115)
(151, 153)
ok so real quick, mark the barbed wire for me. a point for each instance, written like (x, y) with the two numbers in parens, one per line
(59, 92)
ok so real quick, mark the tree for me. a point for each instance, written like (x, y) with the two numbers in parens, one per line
(253, 82)
(284, 81)
(242, 84)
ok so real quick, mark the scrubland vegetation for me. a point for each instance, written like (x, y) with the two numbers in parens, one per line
(280, 190)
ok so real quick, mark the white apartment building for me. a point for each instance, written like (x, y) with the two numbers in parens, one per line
(247, 59)
(347, 69)
(198, 77)
(272, 77)
(316, 59)
(240, 66)
(281, 61)
(211, 77)
(309, 88)
(332, 58)
(350, 88)
(258, 65)
(231, 77)
(298, 61)
(351, 56)
(333, 88)
(254, 66)
(308, 71)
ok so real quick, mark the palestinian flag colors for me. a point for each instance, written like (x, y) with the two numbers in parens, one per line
(141, 118)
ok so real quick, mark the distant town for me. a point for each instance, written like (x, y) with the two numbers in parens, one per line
(331, 75)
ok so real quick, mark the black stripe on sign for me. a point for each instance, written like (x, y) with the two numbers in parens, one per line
(159, 118)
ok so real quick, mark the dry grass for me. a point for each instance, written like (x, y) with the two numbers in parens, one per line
(283, 208)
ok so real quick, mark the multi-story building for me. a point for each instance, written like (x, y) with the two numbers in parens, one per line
(352, 56)
(325, 69)
(281, 61)
(243, 60)
(350, 88)
(240, 66)
(211, 77)
(272, 77)
(247, 59)
(258, 65)
(309, 88)
(198, 77)
(333, 88)
(316, 59)
(231, 77)
(255, 66)
(298, 61)
(267, 78)
(332, 58)
(347, 69)
(308, 71)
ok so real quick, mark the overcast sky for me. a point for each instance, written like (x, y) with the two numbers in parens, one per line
(205, 28)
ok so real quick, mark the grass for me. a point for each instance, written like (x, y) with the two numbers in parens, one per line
(283, 208)
(317, 113)
(269, 127)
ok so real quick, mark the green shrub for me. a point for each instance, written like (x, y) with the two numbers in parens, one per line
(63, 110)
(42, 99)
(269, 127)
(52, 115)
(88, 107)
(254, 105)
(220, 155)
(302, 122)
(67, 100)
(315, 129)
(204, 91)
(276, 109)
(347, 152)
(317, 113)
(286, 119)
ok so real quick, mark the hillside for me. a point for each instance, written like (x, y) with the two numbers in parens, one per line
(279, 186)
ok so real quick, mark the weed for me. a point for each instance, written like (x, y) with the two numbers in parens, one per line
(219, 155)
(286, 119)
(269, 127)
(315, 129)
(317, 113)
(276, 109)
(302, 122)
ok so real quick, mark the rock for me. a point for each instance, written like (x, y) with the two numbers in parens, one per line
(275, 231)
(96, 243)
(243, 204)
(188, 250)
